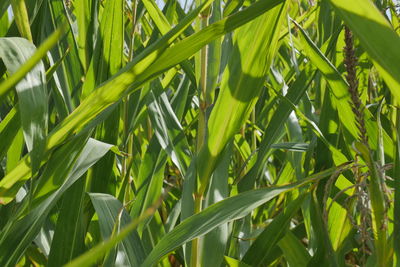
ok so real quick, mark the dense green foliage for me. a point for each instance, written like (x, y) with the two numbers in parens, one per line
(204, 133)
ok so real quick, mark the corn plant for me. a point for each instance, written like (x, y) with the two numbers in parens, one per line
(199, 133)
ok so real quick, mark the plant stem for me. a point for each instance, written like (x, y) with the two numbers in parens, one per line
(195, 259)
(21, 18)
(201, 129)
(202, 124)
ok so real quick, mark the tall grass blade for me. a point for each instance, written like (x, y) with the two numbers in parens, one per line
(19, 232)
(247, 67)
(377, 37)
(224, 211)
(32, 95)
(112, 214)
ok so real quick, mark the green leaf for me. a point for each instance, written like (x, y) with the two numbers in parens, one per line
(234, 262)
(338, 85)
(4, 23)
(7, 85)
(157, 16)
(396, 215)
(213, 56)
(4, 6)
(92, 256)
(69, 235)
(324, 254)
(292, 146)
(293, 250)
(376, 36)
(112, 214)
(218, 191)
(164, 26)
(296, 90)
(149, 63)
(107, 57)
(149, 181)
(9, 128)
(84, 11)
(71, 72)
(341, 95)
(106, 61)
(68, 164)
(15, 150)
(224, 211)
(262, 247)
(32, 94)
(168, 129)
(255, 45)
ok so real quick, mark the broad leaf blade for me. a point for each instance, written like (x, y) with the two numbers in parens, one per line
(224, 211)
(377, 37)
(56, 179)
(109, 211)
(255, 46)
(32, 94)
(273, 233)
